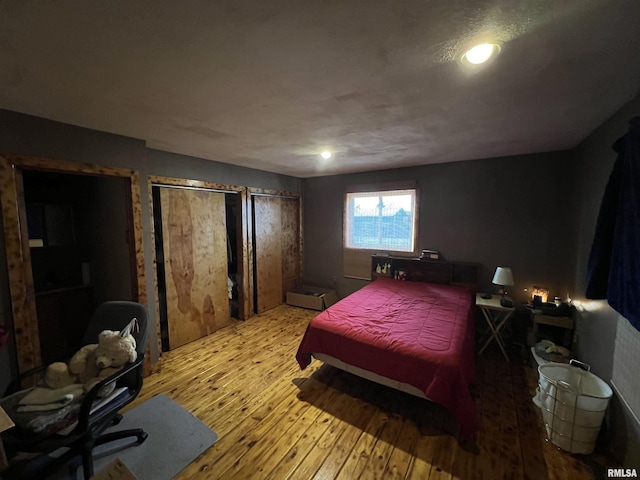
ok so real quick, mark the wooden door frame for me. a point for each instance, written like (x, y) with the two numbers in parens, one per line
(16, 237)
(160, 181)
(254, 191)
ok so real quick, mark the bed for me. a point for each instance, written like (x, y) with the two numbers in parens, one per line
(413, 336)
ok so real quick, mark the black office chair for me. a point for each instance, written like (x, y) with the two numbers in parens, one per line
(88, 433)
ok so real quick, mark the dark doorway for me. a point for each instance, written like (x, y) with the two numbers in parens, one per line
(80, 247)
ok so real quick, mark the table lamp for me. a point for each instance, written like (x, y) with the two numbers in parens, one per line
(504, 278)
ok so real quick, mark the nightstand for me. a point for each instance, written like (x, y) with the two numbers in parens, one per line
(538, 318)
(496, 316)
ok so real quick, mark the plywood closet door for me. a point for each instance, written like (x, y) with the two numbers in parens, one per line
(194, 239)
(290, 228)
(268, 252)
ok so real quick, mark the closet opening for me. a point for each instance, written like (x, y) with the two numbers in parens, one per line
(198, 240)
(80, 247)
(73, 239)
(233, 211)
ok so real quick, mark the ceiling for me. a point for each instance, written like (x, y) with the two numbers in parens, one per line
(270, 84)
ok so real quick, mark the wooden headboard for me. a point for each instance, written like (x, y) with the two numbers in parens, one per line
(466, 274)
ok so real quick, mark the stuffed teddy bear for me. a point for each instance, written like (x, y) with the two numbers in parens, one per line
(95, 362)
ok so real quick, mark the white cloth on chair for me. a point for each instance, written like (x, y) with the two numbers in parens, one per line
(42, 399)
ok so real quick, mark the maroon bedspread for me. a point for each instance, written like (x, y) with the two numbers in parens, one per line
(418, 333)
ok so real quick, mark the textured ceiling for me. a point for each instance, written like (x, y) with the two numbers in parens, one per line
(269, 84)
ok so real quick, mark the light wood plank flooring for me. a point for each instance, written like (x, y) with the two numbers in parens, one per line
(276, 421)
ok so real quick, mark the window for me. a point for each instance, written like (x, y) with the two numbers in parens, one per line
(383, 220)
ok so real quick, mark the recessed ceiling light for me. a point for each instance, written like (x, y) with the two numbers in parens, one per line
(481, 53)
(326, 154)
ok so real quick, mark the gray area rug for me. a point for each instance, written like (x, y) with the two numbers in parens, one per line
(176, 438)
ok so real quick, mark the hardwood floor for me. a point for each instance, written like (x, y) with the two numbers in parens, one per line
(276, 421)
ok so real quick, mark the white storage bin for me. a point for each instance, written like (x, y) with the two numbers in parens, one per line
(573, 402)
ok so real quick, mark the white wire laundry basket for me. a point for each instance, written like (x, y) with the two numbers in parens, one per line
(573, 402)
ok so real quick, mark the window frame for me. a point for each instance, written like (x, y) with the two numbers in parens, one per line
(349, 220)
(357, 261)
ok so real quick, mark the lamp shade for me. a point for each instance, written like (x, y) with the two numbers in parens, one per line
(503, 276)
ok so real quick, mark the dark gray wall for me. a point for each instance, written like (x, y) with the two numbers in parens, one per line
(28, 135)
(508, 211)
(596, 322)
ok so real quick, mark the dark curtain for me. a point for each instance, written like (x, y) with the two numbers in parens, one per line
(613, 271)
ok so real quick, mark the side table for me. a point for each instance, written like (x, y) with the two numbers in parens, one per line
(538, 318)
(496, 316)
